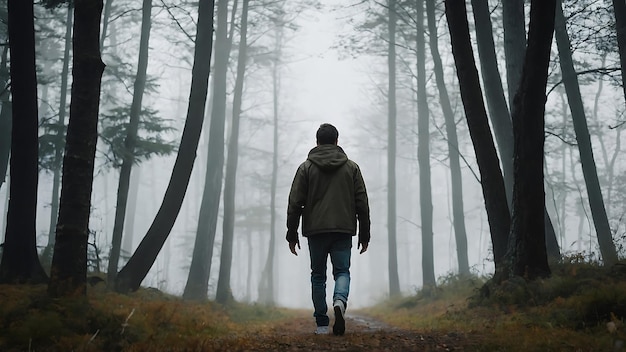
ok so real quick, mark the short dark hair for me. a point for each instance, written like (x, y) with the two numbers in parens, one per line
(327, 134)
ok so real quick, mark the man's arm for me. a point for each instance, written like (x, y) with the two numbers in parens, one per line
(362, 210)
(297, 200)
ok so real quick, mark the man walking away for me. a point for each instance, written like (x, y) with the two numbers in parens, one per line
(329, 193)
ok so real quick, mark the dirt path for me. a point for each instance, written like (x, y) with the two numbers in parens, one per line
(362, 334)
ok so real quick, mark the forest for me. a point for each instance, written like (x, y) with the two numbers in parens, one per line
(147, 149)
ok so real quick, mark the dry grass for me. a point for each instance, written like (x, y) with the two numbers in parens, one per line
(580, 308)
(144, 321)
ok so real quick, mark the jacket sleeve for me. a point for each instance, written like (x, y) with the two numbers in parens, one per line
(297, 200)
(362, 207)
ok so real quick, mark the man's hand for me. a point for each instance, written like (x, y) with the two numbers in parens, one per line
(363, 247)
(292, 247)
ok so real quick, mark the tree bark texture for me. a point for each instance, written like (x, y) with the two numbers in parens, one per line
(527, 245)
(128, 158)
(69, 261)
(131, 275)
(458, 213)
(513, 19)
(590, 174)
(20, 263)
(471, 93)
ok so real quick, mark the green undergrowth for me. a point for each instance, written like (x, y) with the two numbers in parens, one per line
(147, 320)
(581, 307)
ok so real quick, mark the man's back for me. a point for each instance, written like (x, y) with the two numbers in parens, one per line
(330, 190)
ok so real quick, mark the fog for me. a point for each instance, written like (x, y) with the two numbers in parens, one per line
(320, 81)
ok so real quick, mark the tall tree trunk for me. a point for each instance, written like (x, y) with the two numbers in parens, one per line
(574, 98)
(128, 158)
(471, 93)
(69, 262)
(423, 154)
(458, 214)
(224, 292)
(394, 280)
(527, 246)
(266, 286)
(565, 148)
(198, 279)
(20, 262)
(514, 23)
(619, 7)
(131, 275)
(60, 140)
(249, 263)
(494, 93)
(5, 117)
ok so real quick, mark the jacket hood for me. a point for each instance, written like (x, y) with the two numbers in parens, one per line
(328, 157)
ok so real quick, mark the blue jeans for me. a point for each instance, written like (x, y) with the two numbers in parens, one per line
(339, 246)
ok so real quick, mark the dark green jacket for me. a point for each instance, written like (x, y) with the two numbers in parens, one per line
(328, 192)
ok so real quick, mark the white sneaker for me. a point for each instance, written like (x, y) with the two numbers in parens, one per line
(340, 323)
(321, 330)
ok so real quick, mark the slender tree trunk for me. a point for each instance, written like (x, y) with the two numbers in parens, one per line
(130, 277)
(266, 286)
(5, 117)
(565, 148)
(619, 7)
(471, 93)
(514, 23)
(574, 98)
(198, 279)
(60, 140)
(224, 291)
(394, 280)
(458, 215)
(69, 262)
(423, 154)
(20, 263)
(130, 142)
(494, 93)
(250, 256)
(526, 253)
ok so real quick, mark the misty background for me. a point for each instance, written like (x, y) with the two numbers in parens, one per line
(322, 78)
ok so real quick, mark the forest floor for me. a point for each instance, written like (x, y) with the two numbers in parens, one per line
(363, 333)
(582, 307)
